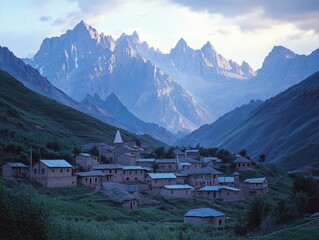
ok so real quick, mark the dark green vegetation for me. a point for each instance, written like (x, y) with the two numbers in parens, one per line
(285, 128)
(54, 130)
(79, 213)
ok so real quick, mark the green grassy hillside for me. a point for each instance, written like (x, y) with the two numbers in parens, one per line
(285, 127)
(29, 119)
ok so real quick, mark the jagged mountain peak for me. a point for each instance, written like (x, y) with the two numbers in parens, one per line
(181, 45)
(208, 47)
(280, 51)
(84, 28)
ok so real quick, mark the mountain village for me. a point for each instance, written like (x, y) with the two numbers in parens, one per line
(188, 176)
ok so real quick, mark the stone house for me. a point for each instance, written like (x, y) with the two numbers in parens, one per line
(242, 163)
(114, 172)
(211, 161)
(91, 178)
(14, 169)
(193, 153)
(181, 178)
(126, 159)
(54, 173)
(256, 185)
(193, 163)
(86, 160)
(199, 177)
(158, 180)
(177, 191)
(166, 165)
(223, 193)
(206, 216)
(183, 166)
(134, 174)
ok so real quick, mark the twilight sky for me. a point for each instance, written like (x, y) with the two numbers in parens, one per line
(239, 29)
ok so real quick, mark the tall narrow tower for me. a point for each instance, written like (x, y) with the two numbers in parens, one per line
(118, 138)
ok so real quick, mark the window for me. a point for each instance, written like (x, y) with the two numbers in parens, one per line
(124, 172)
(220, 222)
(136, 178)
(86, 179)
(52, 170)
(110, 170)
(127, 178)
(169, 166)
(68, 170)
(95, 179)
(61, 170)
(156, 180)
(169, 180)
(115, 171)
(43, 171)
(172, 192)
(227, 193)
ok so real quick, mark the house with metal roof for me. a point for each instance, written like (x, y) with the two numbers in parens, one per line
(177, 191)
(221, 193)
(205, 216)
(256, 185)
(145, 162)
(86, 161)
(158, 180)
(54, 173)
(194, 153)
(226, 181)
(92, 178)
(134, 174)
(199, 177)
(14, 169)
(211, 161)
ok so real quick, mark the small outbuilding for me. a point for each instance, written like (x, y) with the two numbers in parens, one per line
(177, 191)
(206, 216)
(14, 169)
(91, 178)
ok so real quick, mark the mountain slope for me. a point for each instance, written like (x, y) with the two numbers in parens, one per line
(28, 118)
(127, 120)
(207, 134)
(82, 61)
(32, 79)
(283, 125)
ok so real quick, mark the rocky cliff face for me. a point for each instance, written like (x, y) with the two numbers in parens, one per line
(82, 61)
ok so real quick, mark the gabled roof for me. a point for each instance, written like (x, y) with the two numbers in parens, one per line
(206, 160)
(226, 179)
(91, 174)
(107, 166)
(16, 164)
(132, 168)
(86, 154)
(204, 212)
(56, 163)
(145, 160)
(241, 159)
(162, 175)
(197, 171)
(178, 186)
(165, 160)
(217, 188)
(189, 160)
(255, 180)
(191, 151)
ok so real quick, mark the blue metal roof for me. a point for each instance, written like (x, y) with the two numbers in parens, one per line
(162, 175)
(56, 163)
(91, 174)
(107, 166)
(255, 180)
(146, 160)
(226, 179)
(17, 164)
(204, 212)
(132, 168)
(217, 188)
(178, 186)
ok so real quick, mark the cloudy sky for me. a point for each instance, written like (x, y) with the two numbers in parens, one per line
(239, 29)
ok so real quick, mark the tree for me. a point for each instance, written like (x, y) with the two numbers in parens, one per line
(159, 152)
(262, 158)
(243, 153)
(170, 153)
